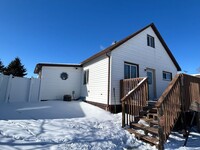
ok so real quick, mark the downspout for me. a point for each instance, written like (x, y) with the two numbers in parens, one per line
(108, 96)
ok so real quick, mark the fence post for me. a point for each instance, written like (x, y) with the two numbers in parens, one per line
(1, 77)
(39, 90)
(30, 89)
(2, 94)
(8, 89)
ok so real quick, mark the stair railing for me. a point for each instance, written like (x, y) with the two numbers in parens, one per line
(134, 100)
(169, 109)
(177, 98)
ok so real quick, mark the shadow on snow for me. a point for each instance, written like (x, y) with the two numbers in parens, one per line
(41, 110)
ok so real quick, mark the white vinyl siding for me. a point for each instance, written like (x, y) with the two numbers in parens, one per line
(53, 87)
(96, 89)
(136, 50)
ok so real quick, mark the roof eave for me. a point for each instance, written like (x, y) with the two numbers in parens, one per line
(166, 47)
(39, 66)
(112, 47)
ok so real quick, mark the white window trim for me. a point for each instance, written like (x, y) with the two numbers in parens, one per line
(151, 41)
(166, 72)
(131, 64)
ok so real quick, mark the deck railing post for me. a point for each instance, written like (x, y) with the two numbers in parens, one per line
(161, 128)
(121, 89)
(183, 105)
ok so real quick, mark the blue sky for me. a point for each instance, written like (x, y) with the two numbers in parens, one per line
(69, 31)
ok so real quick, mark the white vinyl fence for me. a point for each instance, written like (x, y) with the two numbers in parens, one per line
(18, 89)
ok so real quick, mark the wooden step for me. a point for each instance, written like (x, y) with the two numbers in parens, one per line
(146, 129)
(152, 103)
(146, 119)
(146, 138)
(153, 122)
(143, 113)
(153, 110)
(136, 119)
(145, 108)
(152, 115)
(150, 121)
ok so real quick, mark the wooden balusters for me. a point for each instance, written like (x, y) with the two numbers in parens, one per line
(134, 98)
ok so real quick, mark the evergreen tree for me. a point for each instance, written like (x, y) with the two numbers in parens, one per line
(15, 68)
(2, 68)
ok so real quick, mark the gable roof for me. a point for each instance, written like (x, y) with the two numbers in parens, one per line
(39, 66)
(112, 47)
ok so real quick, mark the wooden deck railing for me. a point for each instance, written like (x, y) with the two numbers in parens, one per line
(169, 109)
(191, 90)
(127, 85)
(135, 99)
(177, 98)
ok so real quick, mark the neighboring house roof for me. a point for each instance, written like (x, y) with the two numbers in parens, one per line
(112, 47)
(40, 65)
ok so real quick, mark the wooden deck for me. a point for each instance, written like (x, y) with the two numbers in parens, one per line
(159, 119)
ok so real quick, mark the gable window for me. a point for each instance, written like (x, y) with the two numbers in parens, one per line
(150, 41)
(167, 76)
(86, 77)
(130, 70)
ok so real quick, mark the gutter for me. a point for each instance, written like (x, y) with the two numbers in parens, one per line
(108, 97)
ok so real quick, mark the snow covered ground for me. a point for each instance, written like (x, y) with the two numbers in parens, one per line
(70, 125)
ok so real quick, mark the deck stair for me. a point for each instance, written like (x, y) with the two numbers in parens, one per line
(153, 122)
(145, 127)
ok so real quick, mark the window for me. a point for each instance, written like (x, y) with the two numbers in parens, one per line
(86, 77)
(150, 41)
(150, 77)
(167, 76)
(130, 70)
(64, 76)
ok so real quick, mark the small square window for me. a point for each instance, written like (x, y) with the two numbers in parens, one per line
(150, 41)
(167, 76)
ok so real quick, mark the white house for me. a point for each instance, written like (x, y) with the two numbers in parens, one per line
(143, 53)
